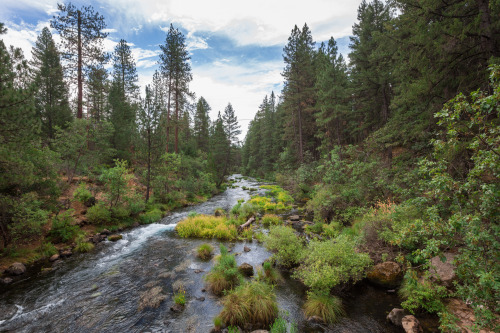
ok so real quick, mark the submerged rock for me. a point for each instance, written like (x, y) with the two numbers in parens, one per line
(177, 308)
(246, 269)
(411, 324)
(16, 268)
(396, 316)
(387, 274)
(114, 238)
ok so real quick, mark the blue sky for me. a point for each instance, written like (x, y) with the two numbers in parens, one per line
(236, 46)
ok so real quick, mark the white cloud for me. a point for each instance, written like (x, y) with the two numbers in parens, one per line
(259, 22)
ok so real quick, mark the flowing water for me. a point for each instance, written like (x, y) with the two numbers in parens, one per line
(101, 291)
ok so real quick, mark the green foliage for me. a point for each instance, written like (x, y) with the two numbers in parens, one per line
(281, 325)
(47, 249)
(150, 216)
(135, 204)
(63, 229)
(325, 264)
(82, 245)
(269, 274)
(81, 193)
(116, 180)
(204, 251)
(421, 293)
(217, 322)
(328, 308)
(99, 214)
(180, 297)
(224, 275)
(28, 218)
(285, 244)
(253, 302)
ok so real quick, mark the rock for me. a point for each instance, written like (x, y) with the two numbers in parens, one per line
(106, 232)
(16, 268)
(396, 316)
(294, 218)
(114, 238)
(387, 274)
(246, 269)
(198, 271)
(201, 299)
(6, 280)
(246, 249)
(315, 319)
(411, 324)
(65, 253)
(46, 270)
(136, 224)
(203, 290)
(443, 271)
(464, 314)
(54, 257)
(176, 308)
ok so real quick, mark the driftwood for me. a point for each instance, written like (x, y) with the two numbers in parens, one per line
(246, 224)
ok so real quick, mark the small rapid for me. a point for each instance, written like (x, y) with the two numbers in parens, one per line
(103, 291)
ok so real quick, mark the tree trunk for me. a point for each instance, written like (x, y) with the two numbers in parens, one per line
(79, 113)
(176, 121)
(246, 224)
(148, 178)
(485, 24)
(168, 110)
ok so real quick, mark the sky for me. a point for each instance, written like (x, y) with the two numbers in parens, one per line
(236, 46)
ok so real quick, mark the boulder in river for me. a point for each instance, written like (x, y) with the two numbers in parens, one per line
(294, 218)
(411, 324)
(387, 274)
(114, 238)
(246, 269)
(16, 268)
(443, 269)
(54, 257)
(246, 249)
(66, 253)
(177, 308)
(106, 232)
(396, 316)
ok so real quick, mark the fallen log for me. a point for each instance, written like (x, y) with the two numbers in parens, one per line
(246, 224)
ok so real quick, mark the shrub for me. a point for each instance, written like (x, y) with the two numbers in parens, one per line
(316, 228)
(81, 193)
(136, 204)
(271, 219)
(204, 251)
(46, 250)
(62, 228)
(285, 244)
(326, 264)
(328, 308)
(28, 217)
(82, 245)
(224, 275)
(120, 212)
(268, 274)
(151, 216)
(253, 302)
(420, 293)
(98, 214)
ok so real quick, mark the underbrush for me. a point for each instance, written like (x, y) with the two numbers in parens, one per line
(285, 244)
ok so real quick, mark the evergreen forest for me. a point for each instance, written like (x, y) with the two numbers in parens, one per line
(391, 153)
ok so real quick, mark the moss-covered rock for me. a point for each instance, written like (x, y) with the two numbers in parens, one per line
(386, 275)
(114, 238)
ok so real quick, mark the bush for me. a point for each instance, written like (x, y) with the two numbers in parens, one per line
(268, 274)
(285, 244)
(316, 228)
(81, 193)
(204, 251)
(62, 228)
(82, 245)
(180, 297)
(328, 308)
(224, 275)
(120, 212)
(136, 204)
(98, 214)
(46, 250)
(326, 264)
(151, 216)
(420, 293)
(271, 219)
(28, 217)
(253, 302)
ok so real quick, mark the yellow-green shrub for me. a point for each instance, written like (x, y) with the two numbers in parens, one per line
(206, 226)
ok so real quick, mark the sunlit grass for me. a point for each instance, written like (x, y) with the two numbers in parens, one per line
(206, 226)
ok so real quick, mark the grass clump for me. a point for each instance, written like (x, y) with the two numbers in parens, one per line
(224, 275)
(206, 226)
(219, 212)
(285, 244)
(269, 274)
(151, 298)
(253, 302)
(217, 323)
(204, 251)
(328, 308)
(271, 219)
(47, 250)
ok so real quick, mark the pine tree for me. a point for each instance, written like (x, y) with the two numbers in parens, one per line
(298, 92)
(97, 90)
(220, 144)
(125, 71)
(202, 124)
(51, 96)
(81, 32)
(333, 97)
(175, 67)
(232, 128)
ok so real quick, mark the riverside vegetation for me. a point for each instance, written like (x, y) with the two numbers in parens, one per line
(395, 154)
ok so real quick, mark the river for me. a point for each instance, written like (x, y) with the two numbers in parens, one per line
(101, 291)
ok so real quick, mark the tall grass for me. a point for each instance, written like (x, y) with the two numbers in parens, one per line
(206, 226)
(328, 308)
